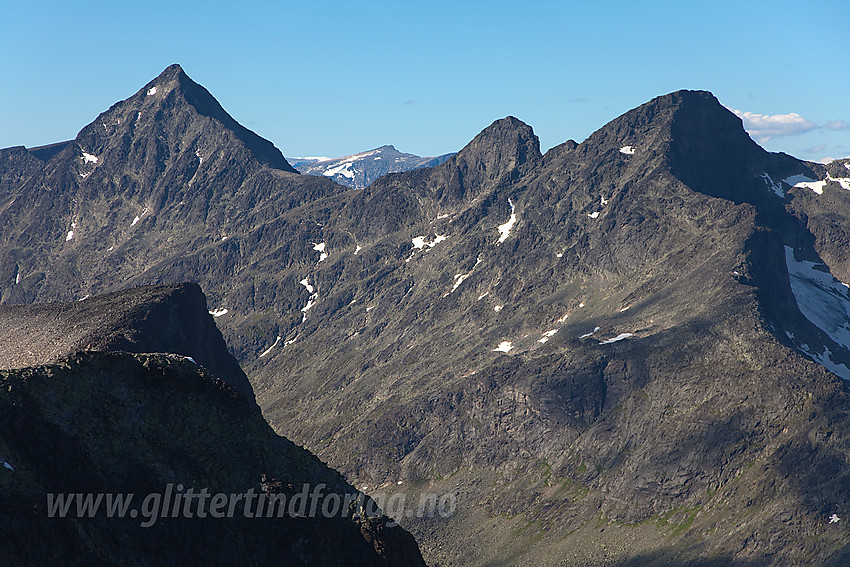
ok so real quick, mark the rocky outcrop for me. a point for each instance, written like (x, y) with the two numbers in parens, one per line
(147, 428)
(167, 319)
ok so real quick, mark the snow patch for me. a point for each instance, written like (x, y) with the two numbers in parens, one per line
(604, 201)
(805, 182)
(70, 235)
(190, 359)
(151, 91)
(505, 229)
(268, 350)
(18, 277)
(843, 181)
(834, 519)
(460, 278)
(343, 169)
(824, 301)
(135, 220)
(628, 150)
(110, 249)
(498, 308)
(314, 296)
(799, 178)
(560, 254)
(483, 295)
(88, 158)
(320, 248)
(421, 242)
(590, 334)
(218, 312)
(547, 335)
(83, 298)
(619, 337)
(306, 283)
(289, 342)
(816, 186)
(564, 318)
(772, 185)
(504, 346)
(8, 466)
(593, 215)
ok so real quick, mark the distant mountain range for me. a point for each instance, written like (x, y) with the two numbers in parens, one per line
(627, 351)
(360, 170)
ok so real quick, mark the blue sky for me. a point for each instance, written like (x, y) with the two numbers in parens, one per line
(332, 78)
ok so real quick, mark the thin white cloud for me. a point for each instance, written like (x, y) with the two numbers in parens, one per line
(763, 127)
(828, 159)
(836, 125)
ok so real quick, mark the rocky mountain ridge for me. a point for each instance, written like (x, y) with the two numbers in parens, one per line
(607, 351)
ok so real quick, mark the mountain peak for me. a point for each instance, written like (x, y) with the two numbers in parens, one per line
(173, 70)
(506, 149)
(700, 140)
(174, 103)
(205, 104)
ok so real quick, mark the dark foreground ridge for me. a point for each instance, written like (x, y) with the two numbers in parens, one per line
(108, 423)
(165, 319)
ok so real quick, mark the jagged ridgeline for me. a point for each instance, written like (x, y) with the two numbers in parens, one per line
(626, 351)
(133, 395)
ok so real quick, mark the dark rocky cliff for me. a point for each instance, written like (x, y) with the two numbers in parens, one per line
(118, 424)
(167, 319)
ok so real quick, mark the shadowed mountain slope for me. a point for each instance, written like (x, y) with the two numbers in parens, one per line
(115, 421)
(149, 428)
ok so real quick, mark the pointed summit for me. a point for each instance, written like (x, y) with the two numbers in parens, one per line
(174, 106)
(505, 147)
(503, 152)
